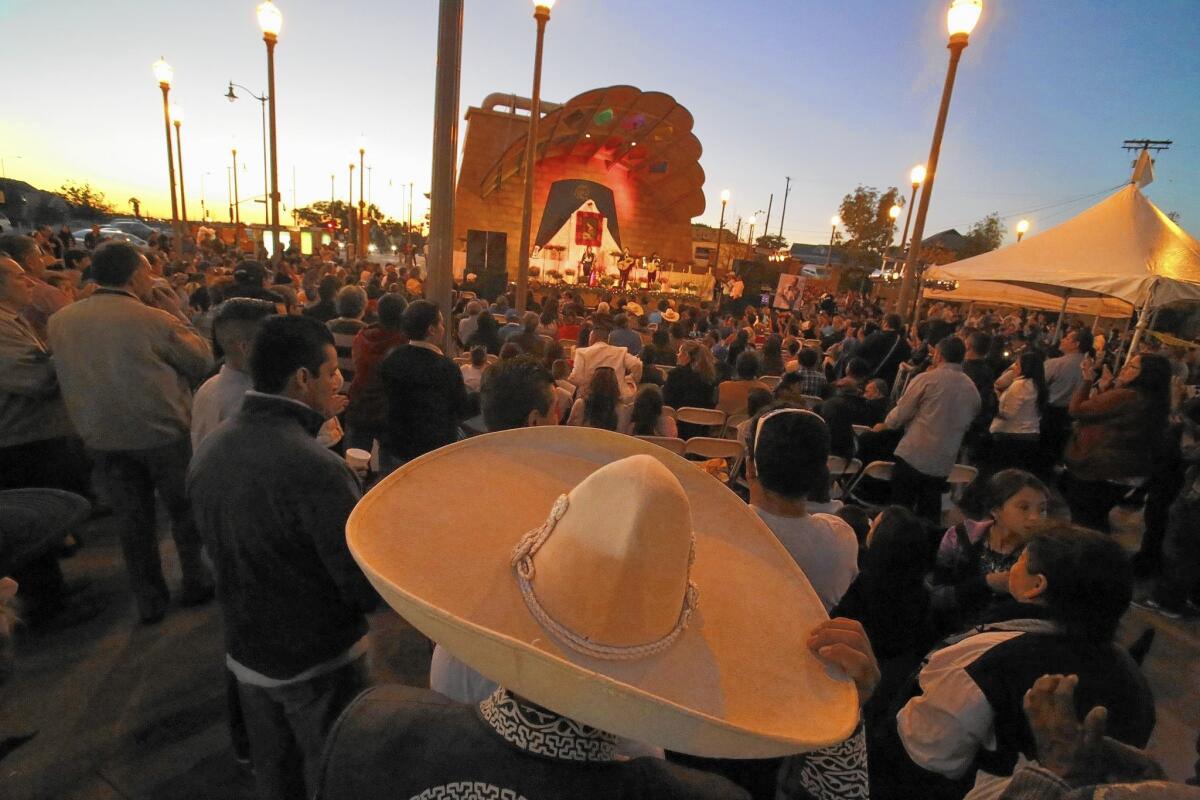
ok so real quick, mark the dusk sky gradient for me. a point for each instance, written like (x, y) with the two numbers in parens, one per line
(832, 93)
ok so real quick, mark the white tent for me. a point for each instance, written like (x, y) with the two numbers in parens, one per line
(1006, 294)
(1123, 247)
(561, 252)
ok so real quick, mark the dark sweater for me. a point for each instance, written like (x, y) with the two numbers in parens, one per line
(427, 399)
(272, 506)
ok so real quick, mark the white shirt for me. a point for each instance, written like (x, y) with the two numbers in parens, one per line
(1018, 409)
(628, 368)
(219, 398)
(823, 545)
(473, 375)
(943, 728)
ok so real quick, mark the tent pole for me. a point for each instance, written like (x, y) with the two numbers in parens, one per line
(1062, 315)
(1125, 332)
(1142, 324)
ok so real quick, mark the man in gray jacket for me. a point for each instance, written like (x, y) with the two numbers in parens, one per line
(126, 371)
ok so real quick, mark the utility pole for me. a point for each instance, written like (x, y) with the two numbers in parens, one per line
(786, 191)
(767, 224)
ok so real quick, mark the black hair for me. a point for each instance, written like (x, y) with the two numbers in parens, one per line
(16, 246)
(647, 408)
(1153, 383)
(1006, 483)
(981, 343)
(391, 311)
(858, 368)
(790, 454)
(747, 365)
(283, 345)
(757, 399)
(952, 349)
(600, 402)
(419, 317)
(513, 388)
(237, 310)
(73, 256)
(1034, 369)
(114, 263)
(327, 289)
(808, 358)
(1089, 579)
(893, 322)
(899, 555)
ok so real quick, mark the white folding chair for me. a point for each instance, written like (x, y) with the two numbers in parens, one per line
(731, 426)
(841, 469)
(811, 401)
(961, 475)
(460, 360)
(771, 381)
(709, 417)
(814, 344)
(880, 470)
(712, 447)
(677, 446)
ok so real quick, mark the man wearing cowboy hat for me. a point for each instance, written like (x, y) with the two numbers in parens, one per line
(625, 593)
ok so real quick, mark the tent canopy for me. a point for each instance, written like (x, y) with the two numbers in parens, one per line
(1007, 294)
(1122, 247)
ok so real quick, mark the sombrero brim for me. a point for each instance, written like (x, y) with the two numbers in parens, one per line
(435, 539)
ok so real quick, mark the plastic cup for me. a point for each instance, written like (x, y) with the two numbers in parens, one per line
(358, 460)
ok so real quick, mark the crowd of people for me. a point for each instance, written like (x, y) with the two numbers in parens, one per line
(979, 636)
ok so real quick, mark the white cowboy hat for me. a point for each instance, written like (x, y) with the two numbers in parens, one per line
(670, 315)
(611, 581)
(635, 309)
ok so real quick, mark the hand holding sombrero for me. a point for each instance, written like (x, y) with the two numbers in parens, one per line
(613, 583)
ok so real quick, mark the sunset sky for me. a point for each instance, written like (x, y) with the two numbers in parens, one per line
(831, 93)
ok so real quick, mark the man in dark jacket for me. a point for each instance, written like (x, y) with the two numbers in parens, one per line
(427, 398)
(847, 408)
(886, 350)
(272, 505)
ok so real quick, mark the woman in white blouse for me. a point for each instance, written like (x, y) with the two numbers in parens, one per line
(1016, 429)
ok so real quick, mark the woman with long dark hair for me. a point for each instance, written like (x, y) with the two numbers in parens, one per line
(487, 334)
(647, 417)
(772, 355)
(1118, 433)
(600, 406)
(1016, 428)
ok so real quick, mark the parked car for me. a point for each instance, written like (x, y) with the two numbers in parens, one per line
(816, 272)
(111, 233)
(133, 226)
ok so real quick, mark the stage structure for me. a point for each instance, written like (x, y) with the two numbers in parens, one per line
(617, 182)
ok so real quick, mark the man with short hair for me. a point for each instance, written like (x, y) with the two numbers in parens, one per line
(272, 504)
(45, 299)
(93, 238)
(220, 397)
(427, 398)
(518, 393)
(528, 339)
(325, 308)
(847, 408)
(975, 367)
(126, 372)
(1063, 376)
(935, 411)
(787, 450)
(511, 326)
(38, 447)
(470, 322)
(351, 304)
(808, 379)
(622, 336)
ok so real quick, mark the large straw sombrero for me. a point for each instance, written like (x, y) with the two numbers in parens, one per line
(606, 569)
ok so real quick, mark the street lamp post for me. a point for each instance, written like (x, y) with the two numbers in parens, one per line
(164, 74)
(720, 232)
(917, 176)
(229, 187)
(834, 221)
(350, 216)
(960, 21)
(236, 216)
(1022, 229)
(541, 13)
(231, 96)
(177, 119)
(362, 197)
(271, 20)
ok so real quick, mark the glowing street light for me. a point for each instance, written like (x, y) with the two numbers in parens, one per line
(541, 13)
(164, 75)
(1022, 228)
(961, 19)
(834, 221)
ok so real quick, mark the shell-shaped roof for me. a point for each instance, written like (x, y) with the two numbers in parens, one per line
(648, 134)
